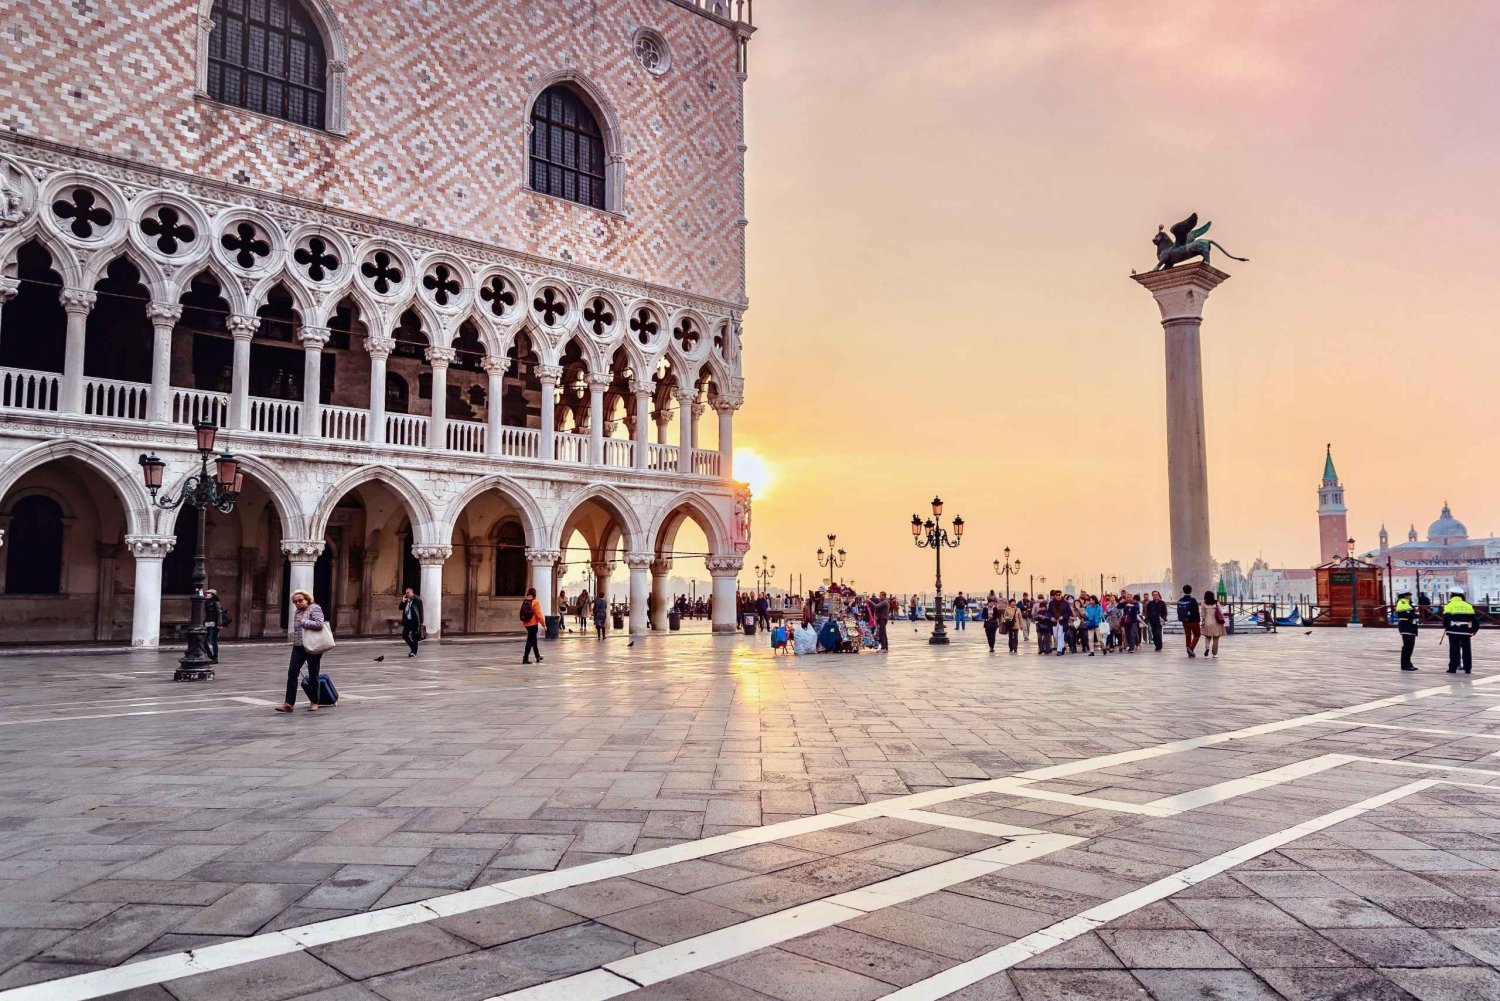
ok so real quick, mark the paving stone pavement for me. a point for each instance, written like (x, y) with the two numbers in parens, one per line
(692, 818)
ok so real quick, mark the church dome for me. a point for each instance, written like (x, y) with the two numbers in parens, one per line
(1446, 527)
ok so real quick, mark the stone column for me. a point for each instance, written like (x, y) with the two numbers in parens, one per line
(245, 604)
(380, 349)
(640, 590)
(602, 571)
(493, 435)
(548, 376)
(661, 598)
(303, 555)
(149, 551)
(242, 329)
(77, 303)
(543, 562)
(663, 421)
(9, 287)
(313, 339)
(699, 409)
(685, 403)
(1180, 293)
(164, 317)
(726, 409)
(473, 556)
(725, 570)
(369, 615)
(437, 428)
(642, 424)
(104, 592)
(597, 386)
(432, 559)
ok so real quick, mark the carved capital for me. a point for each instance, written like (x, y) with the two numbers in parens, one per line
(725, 566)
(599, 383)
(1181, 292)
(302, 550)
(685, 397)
(543, 557)
(164, 313)
(549, 374)
(639, 561)
(380, 347)
(441, 357)
(660, 568)
(8, 288)
(150, 547)
(432, 556)
(497, 366)
(642, 388)
(77, 301)
(727, 405)
(313, 338)
(699, 409)
(242, 327)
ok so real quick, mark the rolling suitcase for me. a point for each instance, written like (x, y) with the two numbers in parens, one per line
(327, 694)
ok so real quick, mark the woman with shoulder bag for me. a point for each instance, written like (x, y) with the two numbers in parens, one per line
(1213, 623)
(311, 638)
(991, 622)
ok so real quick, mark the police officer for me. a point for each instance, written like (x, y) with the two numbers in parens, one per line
(1459, 623)
(1406, 625)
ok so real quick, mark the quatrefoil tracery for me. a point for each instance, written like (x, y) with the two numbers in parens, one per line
(381, 272)
(82, 206)
(316, 259)
(687, 335)
(498, 293)
(551, 305)
(168, 230)
(442, 284)
(644, 324)
(248, 247)
(598, 316)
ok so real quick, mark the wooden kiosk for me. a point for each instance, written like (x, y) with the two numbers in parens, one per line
(1348, 585)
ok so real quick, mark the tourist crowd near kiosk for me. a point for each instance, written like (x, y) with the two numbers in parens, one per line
(464, 323)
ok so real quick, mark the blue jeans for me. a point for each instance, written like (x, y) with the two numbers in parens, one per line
(212, 640)
(960, 618)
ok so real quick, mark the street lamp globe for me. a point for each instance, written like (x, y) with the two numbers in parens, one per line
(227, 469)
(152, 469)
(206, 431)
(958, 527)
(937, 507)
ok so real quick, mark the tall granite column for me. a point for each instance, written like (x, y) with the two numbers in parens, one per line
(1180, 293)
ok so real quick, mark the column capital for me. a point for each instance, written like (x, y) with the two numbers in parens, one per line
(1180, 292)
(599, 383)
(77, 300)
(725, 566)
(699, 408)
(313, 338)
(380, 347)
(549, 373)
(496, 366)
(603, 569)
(302, 550)
(639, 561)
(639, 388)
(543, 557)
(685, 397)
(150, 547)
(474, 555)
(661, 567)
(8, 288)
(242, 327)
(430, 556)
(440, 357)
(164, 312)
(728, 404)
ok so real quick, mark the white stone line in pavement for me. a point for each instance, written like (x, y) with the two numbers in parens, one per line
(1094, 802)
(84, 986)
(1251, 783)
(1427, 729)
(656, 965)
(958, 823)
(956, 978)
(147, 712)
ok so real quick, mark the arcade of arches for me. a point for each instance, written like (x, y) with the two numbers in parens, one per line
(81, 550)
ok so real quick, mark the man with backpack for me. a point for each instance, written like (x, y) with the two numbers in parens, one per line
(531, 618)
(1190, 617)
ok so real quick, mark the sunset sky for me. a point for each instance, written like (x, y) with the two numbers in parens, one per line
(946, 201)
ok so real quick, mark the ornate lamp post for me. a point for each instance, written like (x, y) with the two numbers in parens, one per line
(833, 559)
(1353, 587)
(1006, 568)
(932, 535)
(203, 491)
(764, 570)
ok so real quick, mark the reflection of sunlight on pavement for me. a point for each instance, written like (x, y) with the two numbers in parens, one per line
(746, 668)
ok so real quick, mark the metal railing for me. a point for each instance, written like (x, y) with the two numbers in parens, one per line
(189, 406)
(113, 398)
(345, 423)
(23, 389)
(275, 416)
(465, 436)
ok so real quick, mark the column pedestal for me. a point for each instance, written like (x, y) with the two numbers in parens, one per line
(149, 551)
(1180, 294)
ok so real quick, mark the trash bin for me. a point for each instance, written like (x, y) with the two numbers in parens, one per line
(619, 621)
(749, 625)
(674, 620)
(553, 624)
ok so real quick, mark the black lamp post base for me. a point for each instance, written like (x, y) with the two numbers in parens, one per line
(938, 639)
(194, 672)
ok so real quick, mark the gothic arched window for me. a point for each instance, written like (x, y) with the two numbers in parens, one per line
(567, 148)
(34, 547)
(267, 56)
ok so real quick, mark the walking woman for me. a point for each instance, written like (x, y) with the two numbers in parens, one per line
(308, 617)
(1010, 623)
(601, 613)
(531, 618)
(992, 622)
(1213, 623)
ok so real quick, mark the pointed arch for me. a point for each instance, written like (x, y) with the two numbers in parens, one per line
(139, 512)
(97, 264)
(288, 504)
(593, 98)
(230, 290)
(63, 261)
(532, 520)
(612, 499)
(424, 524)
(686, 504)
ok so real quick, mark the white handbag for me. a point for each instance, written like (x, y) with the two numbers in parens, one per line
(318, 640)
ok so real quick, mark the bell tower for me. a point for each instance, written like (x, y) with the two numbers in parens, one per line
(1333, 516)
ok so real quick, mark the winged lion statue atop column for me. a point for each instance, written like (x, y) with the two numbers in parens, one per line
(1187, 241)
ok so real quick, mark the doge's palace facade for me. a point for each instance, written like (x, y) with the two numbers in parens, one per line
(461, 282)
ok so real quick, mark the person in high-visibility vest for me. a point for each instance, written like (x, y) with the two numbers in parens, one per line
(1459, 623)
(1406, 625)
